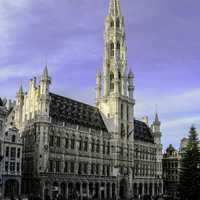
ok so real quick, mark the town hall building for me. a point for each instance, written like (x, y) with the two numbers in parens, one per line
(98, 152)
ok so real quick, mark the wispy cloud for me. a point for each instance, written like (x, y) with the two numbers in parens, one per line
(182, 102)
(181, 122)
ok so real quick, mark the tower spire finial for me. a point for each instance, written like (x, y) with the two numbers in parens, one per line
(45, 74)
(156, 120)
(114, 8)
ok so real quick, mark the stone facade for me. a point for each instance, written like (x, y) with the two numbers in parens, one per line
(171, 165)
(79, 150)
(11, 156)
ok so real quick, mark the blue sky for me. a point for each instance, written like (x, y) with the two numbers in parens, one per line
(163, 52)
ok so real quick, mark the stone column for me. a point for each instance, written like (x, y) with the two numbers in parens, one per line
(110, 189)
(142, 189)
(99, 191)
(161, 188)
(105, 190)
(66, 191)
(153, 188)
(20, 189)
(81, 190)
(148, 192)
(137, 188)
(87, 190)
(42, 190)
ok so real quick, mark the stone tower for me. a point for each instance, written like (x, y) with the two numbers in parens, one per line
(157, 139)
(156, 129)
(44, 93)
(116, 101)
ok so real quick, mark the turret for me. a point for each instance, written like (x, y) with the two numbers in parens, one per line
(44, 92)
(130, 84)
(19, 107)
(156, 129)
(98, 85)
(156, 124)
(45, 81)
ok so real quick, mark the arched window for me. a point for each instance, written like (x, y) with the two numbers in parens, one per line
(67, 143)
(111, 81)
(112, 49)
(80, 144)
(118, 50)
(92, 145)
(111, 23)
(122, 130)
(104, 147)
(118, 45)
(98, 146)
(86, 144)
(120, 81)
(122, 111)
(73, 143)
(117, 23)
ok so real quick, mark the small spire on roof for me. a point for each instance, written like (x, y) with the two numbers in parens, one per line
(156, 121)
(45, 74)
(20, 91)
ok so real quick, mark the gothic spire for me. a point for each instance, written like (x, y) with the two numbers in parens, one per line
(114, 8)
(45, 74)
(157, 121)
(20, 91)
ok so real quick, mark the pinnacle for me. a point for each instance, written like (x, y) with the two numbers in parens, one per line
(20, 89)
(45, 72)
(130, 74)
(156, 121)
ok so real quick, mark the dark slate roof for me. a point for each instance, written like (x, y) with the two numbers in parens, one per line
(142, 132)
(1, 102)
(63, 109)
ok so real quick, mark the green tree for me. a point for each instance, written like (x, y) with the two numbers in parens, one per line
(189, 172)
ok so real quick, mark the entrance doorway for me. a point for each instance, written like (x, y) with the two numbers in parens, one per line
(123, 189)
(11, 187)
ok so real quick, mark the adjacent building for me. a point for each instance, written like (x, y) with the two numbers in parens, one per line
(171, 166)
(11, 156)
(3, 114)
(75, 149)
(11, 162)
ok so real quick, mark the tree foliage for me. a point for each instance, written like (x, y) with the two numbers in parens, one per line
(189, 187)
